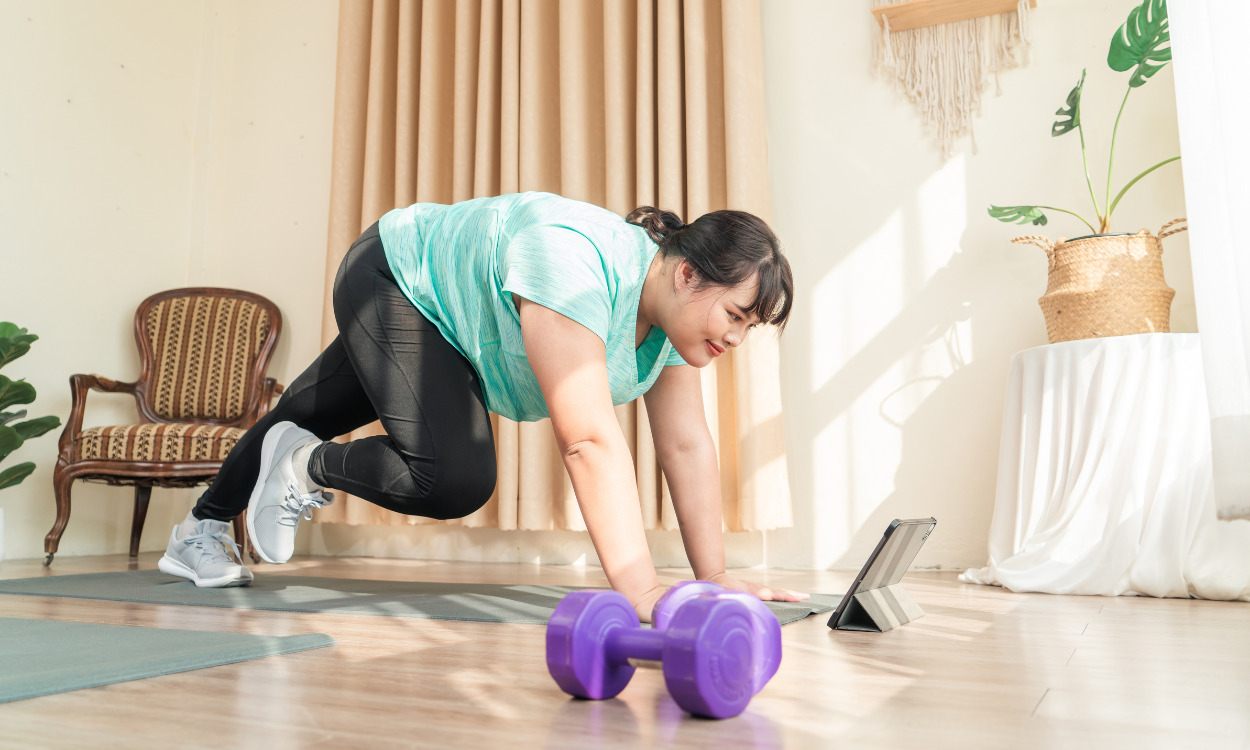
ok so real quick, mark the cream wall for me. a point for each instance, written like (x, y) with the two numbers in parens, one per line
(145, 146)
(209, 151)
(911, 300)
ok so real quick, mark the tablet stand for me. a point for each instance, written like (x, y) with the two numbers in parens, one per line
(879, 610)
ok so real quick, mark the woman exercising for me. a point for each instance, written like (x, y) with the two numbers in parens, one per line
(529, 306)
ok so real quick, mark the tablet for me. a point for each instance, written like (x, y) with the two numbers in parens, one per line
(888, 562)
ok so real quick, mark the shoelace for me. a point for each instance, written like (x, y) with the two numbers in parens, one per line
(217, 544)
(297, 506)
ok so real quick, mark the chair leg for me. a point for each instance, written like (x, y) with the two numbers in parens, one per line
(142, 495)
(61, 482)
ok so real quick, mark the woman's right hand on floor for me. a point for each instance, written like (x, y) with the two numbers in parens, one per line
(645, 603)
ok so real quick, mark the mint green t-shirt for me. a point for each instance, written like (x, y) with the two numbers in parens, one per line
(459, 265)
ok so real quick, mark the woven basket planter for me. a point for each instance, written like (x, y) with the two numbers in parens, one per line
(1105, 285)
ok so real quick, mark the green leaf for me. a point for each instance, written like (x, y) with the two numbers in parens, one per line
(1070, 113)
(1019, 215)
(10, 332)
(11, 349)
(1143, 41)
(10, 441)
(15, 392)
(14, 342)
(9, 416)
(15, 474)
(36, 427)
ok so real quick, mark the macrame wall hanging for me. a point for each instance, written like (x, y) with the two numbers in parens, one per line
(943, 52)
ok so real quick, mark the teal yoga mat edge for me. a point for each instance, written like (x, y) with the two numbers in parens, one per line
(247, 647)
(786, 612)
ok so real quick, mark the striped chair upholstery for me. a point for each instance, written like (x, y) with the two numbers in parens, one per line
(203, 350)
(202, 385)
(176, 442)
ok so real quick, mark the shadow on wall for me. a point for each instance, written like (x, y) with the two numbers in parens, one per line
(950, 438)
(942, 420)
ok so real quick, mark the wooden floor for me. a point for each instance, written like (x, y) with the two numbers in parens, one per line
(984, 668)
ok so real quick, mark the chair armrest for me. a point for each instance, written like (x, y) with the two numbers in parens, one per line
(79, 385)
(101, 383)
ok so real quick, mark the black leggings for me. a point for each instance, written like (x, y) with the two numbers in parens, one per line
(389, 363)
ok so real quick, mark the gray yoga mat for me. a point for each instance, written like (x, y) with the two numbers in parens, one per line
(479, 602)
(42, 657)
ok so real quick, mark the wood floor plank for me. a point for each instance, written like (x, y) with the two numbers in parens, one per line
(984, 667)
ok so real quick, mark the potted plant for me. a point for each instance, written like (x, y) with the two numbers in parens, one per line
(1104, 283)
(14, 342)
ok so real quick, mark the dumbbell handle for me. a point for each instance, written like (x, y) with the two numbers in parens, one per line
(635, 646)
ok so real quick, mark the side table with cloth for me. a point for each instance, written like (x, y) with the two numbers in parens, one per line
(1104, 475)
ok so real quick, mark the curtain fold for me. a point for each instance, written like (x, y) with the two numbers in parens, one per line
(620, 103)
(1212, 111)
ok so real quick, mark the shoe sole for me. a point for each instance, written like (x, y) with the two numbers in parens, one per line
(174, 567)
(272, 437)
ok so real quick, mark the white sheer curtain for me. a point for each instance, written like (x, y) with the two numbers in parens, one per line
(1213, 110)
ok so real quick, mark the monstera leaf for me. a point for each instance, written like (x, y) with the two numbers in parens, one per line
(1019, 214)
(1070, 113)
(1143, 41)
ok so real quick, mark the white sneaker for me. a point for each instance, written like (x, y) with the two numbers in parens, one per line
(203, 556)
(277, 505)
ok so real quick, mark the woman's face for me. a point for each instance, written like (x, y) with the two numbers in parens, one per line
(705, 323)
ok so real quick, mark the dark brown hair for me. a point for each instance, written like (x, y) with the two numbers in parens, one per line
(726, 248)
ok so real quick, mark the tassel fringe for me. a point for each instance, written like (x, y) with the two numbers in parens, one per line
(944, 69)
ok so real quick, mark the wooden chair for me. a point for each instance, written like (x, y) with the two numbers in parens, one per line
(203, 353)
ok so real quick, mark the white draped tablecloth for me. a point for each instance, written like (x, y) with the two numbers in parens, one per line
(1104, 475)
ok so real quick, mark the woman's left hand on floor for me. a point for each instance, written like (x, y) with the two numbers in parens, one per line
(763, 592)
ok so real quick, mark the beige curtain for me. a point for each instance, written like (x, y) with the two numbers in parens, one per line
(619, 103)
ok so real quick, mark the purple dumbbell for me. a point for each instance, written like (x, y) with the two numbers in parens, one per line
(677, 595)
(595, 642)
(767, 649)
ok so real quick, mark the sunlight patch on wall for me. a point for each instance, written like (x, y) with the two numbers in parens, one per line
(942, 215)
(856, 300)
(893, 326)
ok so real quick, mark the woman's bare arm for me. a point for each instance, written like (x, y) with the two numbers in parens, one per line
(688, 457)
(570, 363)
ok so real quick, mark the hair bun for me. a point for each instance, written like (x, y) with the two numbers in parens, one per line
(660, 225)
